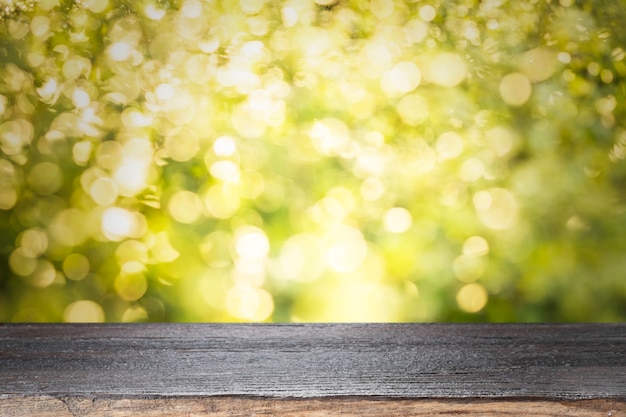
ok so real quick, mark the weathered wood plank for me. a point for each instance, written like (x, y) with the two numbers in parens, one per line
(309, 407)
(297, 369)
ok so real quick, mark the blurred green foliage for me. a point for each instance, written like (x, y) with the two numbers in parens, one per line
(300, 160)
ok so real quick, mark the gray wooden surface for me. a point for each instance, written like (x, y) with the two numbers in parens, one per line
(411, 361)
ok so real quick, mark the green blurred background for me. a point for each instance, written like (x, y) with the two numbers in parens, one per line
(303, 160)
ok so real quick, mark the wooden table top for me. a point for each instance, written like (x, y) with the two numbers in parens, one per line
(435, 362)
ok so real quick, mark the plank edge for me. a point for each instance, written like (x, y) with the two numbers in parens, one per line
(226, 405)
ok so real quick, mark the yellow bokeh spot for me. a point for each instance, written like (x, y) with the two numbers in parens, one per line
(73, 68)
(161, 249)
(131, 176)
(502, 140)
(224, 146)
(134, 314)
(469, 268)
(251, 243)
(131, 250)
(413, 109)
(345, 249)
(120, 51)
(39, 26)
(164, 91)
(289, 16)
(403, 78)
(192, 9)
(538, 64)
(185, 206)
(447, 69)
(96, 6)
(22, 262)
(103, 191)
(182, 146)
(472, 298)
(83, 311)
(45, 178)
(605, 105)
(15, 134)
(330, 136)
(372, 189)
(213, 287)
(249, 303)
(497, 208)
(251, 272)
(472, 169)
(8, 194)
(372, 161)
(515, 89)
(427, 13)
(117, 224)
(415, 30)
(251, 184)
(215, 249)
(259, 101)
(49, 90)
(226, 171)
(475, 246)
(397, 220)
(153, 12)
(109, 154)
(449, 145)
(81, 151)
(222, 201)
(8, 197)
(80, 98)
(606, 76)
(76, 266)
(381, 8)
(68, 227)
(299, 259)
(251, 6)
(132, 169)
(132, 117)
(131, 283)
(44, 275)
(34, 241)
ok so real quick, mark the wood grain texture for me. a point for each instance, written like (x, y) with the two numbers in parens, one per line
(420, 369)
(310, 407)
